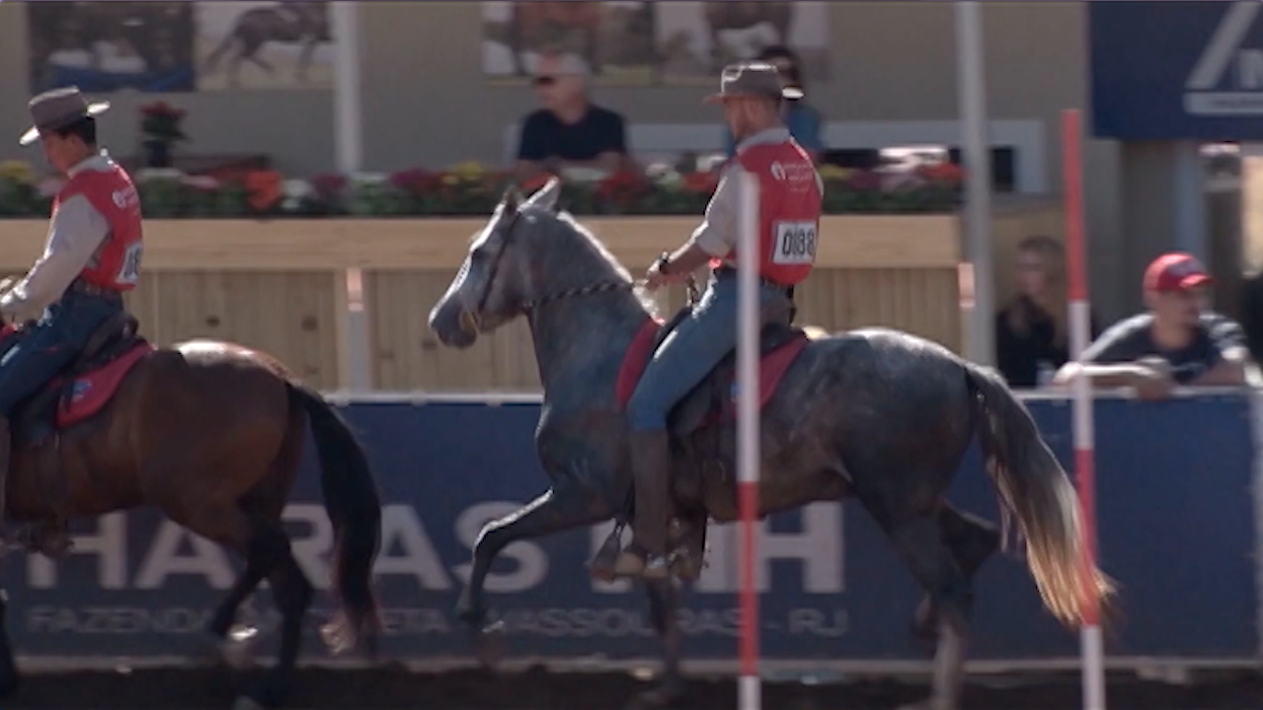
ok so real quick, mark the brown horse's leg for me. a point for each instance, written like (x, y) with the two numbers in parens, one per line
(266, 501)
(270, 549)
(293, 593)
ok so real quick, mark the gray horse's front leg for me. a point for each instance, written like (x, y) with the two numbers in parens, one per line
(561, 508)
(664, 605)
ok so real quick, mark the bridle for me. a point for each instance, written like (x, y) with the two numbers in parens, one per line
(472, 320)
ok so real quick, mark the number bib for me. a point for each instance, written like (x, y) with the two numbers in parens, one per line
(795, 243)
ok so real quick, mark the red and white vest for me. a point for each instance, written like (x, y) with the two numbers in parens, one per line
(116, 264)
(789, 210)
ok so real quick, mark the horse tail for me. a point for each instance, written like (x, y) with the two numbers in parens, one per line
(354, 509)
(1034, 489)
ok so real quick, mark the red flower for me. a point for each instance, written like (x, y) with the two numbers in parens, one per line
(329, 185)
(700, 182)
(942, 172)
(417, 181)
(623, 188)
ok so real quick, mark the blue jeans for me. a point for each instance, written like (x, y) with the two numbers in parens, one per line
(49, 346)
(699, 343)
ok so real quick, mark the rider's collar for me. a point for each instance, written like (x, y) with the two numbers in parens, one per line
(88, 162)
(777, 134)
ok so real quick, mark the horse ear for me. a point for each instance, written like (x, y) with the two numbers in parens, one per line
(546, 196)
(512, 197)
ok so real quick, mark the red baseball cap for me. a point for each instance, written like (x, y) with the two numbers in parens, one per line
(1175, 271)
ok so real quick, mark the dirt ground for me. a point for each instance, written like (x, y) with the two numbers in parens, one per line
(387, 689)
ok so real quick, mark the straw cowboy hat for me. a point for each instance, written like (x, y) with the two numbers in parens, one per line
(57, 109)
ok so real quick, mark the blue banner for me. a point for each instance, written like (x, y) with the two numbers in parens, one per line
(1176, 528)
(1188, 70)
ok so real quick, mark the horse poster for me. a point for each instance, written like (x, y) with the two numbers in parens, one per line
(614, 39)
(696, 39)
(246, 44)
(103, 47)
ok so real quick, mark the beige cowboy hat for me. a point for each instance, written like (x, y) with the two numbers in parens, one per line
(752, 79)
(59, 108)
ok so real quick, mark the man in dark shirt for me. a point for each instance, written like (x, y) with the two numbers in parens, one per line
(570, 131)
(1178, 342)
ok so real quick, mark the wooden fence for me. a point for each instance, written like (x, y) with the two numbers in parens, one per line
(344, 302)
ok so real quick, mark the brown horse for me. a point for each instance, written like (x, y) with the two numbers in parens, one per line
(288, 22)
(539, 25)
(744, 14)
(210, 433)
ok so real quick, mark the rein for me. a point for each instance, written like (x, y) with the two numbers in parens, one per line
(470, 319)
(599, 288)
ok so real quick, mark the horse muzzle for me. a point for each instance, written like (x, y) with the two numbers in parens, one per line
(454, 327)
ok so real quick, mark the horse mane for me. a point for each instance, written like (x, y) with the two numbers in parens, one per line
(590, 241)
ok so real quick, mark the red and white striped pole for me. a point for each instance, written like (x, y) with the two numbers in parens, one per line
(748, 687)
(1091, 646)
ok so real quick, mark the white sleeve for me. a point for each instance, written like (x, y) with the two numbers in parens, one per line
(75, 234)
(717, 234)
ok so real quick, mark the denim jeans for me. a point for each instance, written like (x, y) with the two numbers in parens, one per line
(51, 345)
(699, 343)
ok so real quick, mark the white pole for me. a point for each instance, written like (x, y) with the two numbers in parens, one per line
(349, 154)
(748, 688)
(348, 129)
(976, 152)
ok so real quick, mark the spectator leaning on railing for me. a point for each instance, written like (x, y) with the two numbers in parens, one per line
(1179, 342)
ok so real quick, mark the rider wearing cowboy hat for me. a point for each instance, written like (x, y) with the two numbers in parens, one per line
(91, 257)
(789, 217)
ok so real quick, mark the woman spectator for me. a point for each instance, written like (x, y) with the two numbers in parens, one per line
(1030, 332)
(802, 119)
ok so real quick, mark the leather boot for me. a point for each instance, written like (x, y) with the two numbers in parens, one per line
(651, 469)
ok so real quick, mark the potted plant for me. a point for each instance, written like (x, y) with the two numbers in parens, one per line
(159, 128)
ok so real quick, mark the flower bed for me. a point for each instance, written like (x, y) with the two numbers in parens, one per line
(472, 189)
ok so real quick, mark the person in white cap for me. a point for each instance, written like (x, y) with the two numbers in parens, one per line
(91, 258)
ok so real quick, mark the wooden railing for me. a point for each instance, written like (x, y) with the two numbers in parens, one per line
(293, 288)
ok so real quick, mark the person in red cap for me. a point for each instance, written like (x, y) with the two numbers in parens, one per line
(1178, 342)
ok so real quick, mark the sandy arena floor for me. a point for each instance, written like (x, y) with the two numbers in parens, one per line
(386, 688)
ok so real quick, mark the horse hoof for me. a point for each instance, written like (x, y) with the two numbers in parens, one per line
(237, 647)
(245, 702)
(490, 645)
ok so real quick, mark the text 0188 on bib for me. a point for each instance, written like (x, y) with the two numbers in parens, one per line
(795, 243)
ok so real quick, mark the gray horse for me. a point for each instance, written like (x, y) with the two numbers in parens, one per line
(876, 414)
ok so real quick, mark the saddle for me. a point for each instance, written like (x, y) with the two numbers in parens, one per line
(36, 417)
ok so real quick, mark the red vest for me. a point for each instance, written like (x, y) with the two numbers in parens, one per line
(789, 210)
(116, 263)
